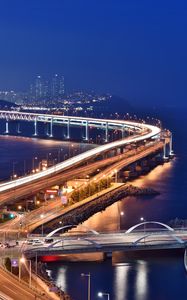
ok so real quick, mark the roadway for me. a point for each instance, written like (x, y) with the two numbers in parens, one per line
(110, 242)
(53, 209)
(58, 178)
(12, 289)
(146, 132)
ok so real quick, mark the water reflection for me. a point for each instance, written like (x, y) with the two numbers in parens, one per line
(141, 281)
(121, 281)
(127, 212)
(61, 278)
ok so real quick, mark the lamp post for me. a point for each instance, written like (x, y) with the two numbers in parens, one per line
(23, 260)
(28, 201)
(143, 220)
(42, 216)
(59, 156)
(88, 275)
(33, 163)
(101, 294)
(20, 208)
(48, 155)
(121, 214)
(13, 169)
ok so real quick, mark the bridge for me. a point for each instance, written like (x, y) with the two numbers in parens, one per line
(142, 132)
(130, 240)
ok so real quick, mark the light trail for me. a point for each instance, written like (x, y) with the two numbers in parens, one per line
(146, 132)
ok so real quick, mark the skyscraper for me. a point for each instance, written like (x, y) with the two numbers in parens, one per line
(38, 88)
(45, 90)
(61, 86)
(57, 86)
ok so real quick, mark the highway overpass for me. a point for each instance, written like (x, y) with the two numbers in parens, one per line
(142, 132)
(131, 240)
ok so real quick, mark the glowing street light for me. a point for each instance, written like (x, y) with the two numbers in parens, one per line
(23, 260)
(143, 220)
(101, 294)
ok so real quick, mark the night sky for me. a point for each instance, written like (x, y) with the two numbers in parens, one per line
(135, 49)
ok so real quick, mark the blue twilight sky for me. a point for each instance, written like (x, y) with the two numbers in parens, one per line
(134, 48)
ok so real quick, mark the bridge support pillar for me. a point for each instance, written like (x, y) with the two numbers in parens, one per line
(18, 128)
(171, 145)
(51, 128)
(121, 150)
(47, 129)
(35, 127)
(87, 133)
(123, 132)
(68, 129)
(107, 255)
(6, 130)
(106, 132)
(185, 259)
(164, 152)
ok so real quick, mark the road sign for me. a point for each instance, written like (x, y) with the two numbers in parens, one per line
(64, 199)
(51, 191)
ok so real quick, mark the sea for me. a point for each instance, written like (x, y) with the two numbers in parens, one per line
(158, 276)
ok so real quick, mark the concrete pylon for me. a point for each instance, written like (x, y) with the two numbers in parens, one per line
(35, 127)
(7, 129)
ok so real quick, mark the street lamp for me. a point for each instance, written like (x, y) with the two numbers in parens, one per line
(89, 277)
(59, 156)
(101, 294)
(42, 216)
(23, 261)
(33, 162)
(13, 170)
(143, 220)
(21, 208)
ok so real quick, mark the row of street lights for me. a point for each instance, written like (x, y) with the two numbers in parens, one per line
(48, 157)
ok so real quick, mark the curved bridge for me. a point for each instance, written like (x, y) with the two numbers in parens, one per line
(143, 132)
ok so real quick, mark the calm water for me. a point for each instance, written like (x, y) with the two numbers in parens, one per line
(151, 277)
(143, 278)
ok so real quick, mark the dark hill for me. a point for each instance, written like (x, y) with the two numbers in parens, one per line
(6, 104)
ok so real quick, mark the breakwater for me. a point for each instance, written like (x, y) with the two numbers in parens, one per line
(99, 203)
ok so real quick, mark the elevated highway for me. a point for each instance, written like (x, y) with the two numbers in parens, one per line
(142, 132)
(118, 162)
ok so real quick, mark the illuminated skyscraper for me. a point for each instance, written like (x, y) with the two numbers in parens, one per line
(38, 88)
(57, 86)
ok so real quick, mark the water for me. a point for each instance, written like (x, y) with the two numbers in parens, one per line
(20, 155)
(155, 277)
